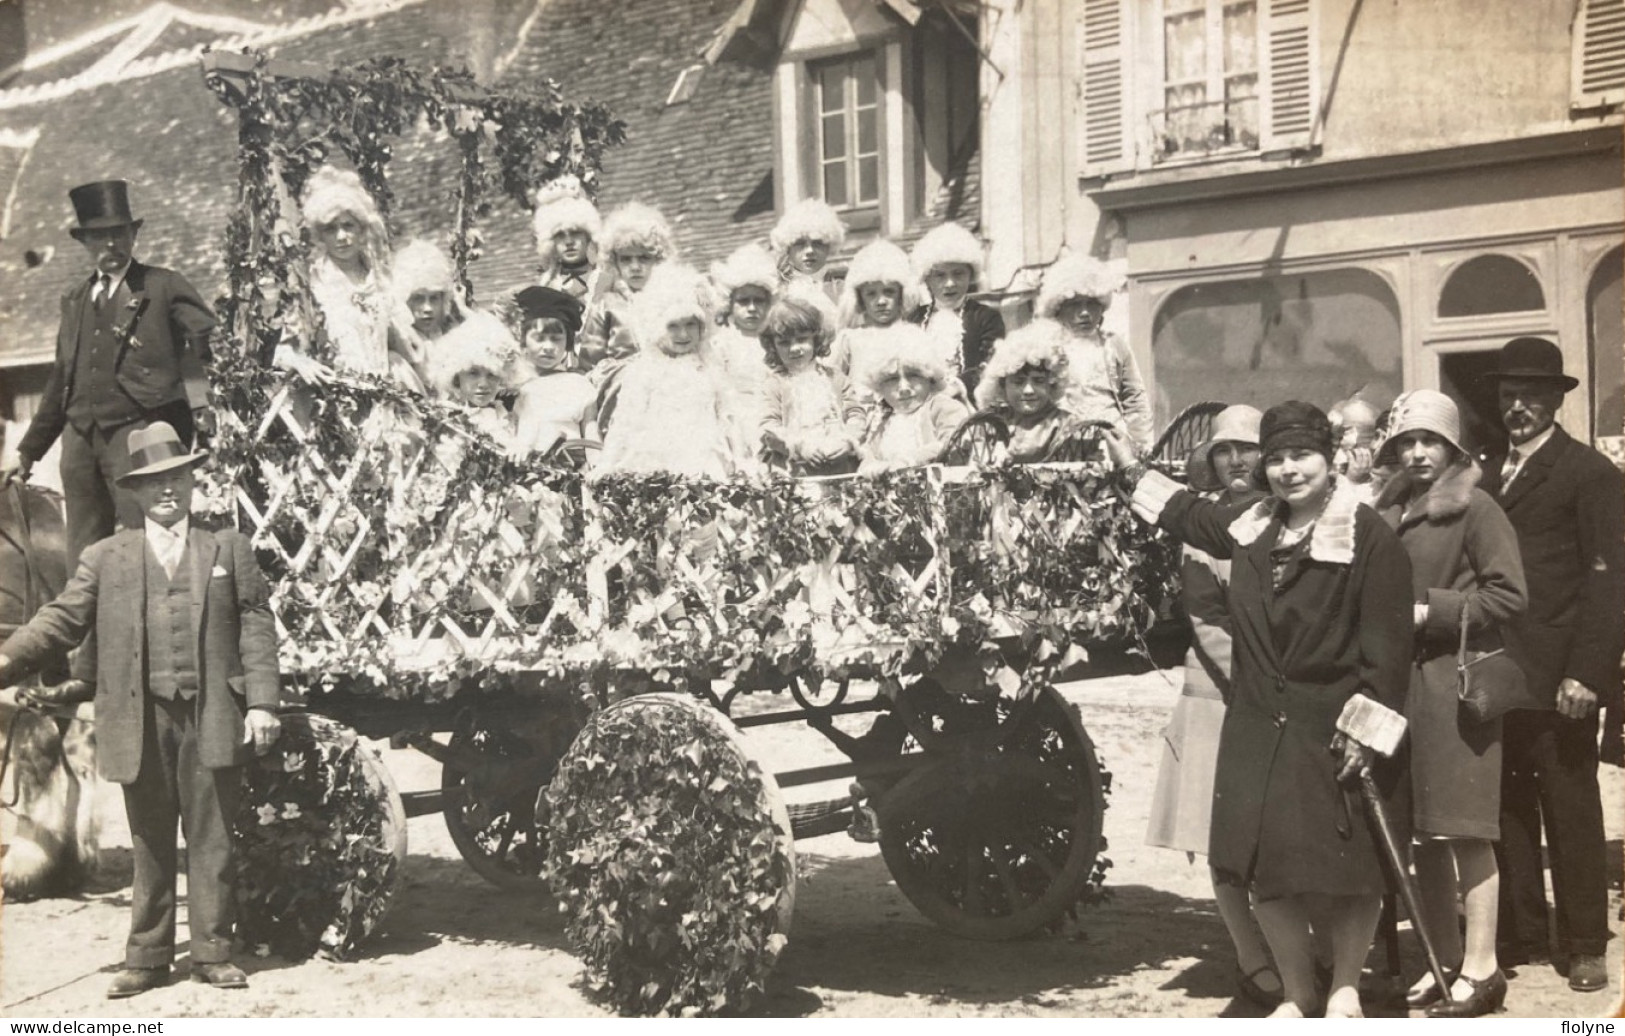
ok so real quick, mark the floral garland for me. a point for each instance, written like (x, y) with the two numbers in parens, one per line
(669, 870)
(318, 849)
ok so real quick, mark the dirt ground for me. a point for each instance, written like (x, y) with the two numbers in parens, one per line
(454, 946)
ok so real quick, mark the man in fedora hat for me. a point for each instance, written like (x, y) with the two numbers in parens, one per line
(180, 645)
(1566, 503)
(129, 350)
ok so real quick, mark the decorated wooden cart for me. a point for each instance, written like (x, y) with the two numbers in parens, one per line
(580, 654)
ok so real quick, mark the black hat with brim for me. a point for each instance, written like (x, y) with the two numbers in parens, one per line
(1531, 359)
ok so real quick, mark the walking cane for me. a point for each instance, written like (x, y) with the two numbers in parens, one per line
(1407, 885)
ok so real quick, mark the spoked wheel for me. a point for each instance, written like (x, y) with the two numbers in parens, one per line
(491, 784)
(979, 440)
(1001, 840)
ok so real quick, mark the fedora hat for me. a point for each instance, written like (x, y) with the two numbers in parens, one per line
(1534, 359)
(102, 205)
(1237, 423)
(156, 449)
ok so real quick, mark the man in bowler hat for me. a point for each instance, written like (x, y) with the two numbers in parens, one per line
(1566, 502)
(180, 645)
(129, 350)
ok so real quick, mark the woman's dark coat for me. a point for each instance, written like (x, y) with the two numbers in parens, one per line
(1339, 626)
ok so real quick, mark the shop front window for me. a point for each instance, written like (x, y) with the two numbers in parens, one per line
(1319, 337)
(1606, 345)
(1491, 284)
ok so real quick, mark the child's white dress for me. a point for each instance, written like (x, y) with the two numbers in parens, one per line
(910, 440)
(671, 417)
(1108, 387)
(553, 406)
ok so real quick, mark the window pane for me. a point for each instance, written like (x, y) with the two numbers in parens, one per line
(1185, 121)
(1184, 42)
(1607, 344)
(868, 131)
(863, 75)
(834, 136)
(831, 82)
(1241, 111)
(835, 183)
(869, 180)
(1319, 336)
(1491, 284)
(1240, 38)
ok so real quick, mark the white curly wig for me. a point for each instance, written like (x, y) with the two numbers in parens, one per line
(563, 205)
(749, 264)
(636, 225)
(481, 340)
(674, 291)
(808, 218)
(1075, 277)
(331, 193)
(903, 347)
(1040, 344)
(949, 243)
(879, 262)
(421, 266)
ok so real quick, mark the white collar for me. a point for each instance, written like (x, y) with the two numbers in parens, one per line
(1530, 448)
(113, 279)
(179, 531)
(1332, 540)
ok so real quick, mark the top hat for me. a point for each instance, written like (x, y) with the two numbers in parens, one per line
(102, 205)
(1534, 359)
(1237, 423)
(156, 449)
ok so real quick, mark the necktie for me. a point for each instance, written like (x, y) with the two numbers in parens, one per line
(104, 287)
(1509, 470)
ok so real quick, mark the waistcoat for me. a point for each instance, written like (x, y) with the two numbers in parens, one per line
(171, 649)
(95, 398)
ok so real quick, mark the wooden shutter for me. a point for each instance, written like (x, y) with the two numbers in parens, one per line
(1598, 68)
(1108, 136)
(1290, 85)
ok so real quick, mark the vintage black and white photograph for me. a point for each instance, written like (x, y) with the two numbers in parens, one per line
(812, 508)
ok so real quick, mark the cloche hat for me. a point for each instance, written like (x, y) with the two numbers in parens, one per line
(1239, 423)
(1423, 410)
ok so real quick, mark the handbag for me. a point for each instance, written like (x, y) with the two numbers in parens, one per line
(1489, 684)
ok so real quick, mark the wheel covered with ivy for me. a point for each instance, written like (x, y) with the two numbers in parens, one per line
(669, 849)
(1002, 837)
(320, 840)
(496, 769)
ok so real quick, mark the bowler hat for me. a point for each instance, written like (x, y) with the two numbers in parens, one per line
(156, 449)
(102, 205)
(1534, 359)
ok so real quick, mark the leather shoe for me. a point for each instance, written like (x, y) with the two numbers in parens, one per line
(1247, 985)
(224, 975)
(1430, 993)
(131, 981)
(1487, 997)
(1587, 973)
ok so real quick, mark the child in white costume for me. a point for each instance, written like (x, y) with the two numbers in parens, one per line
(917, 416)
(349, 280)
(1027, 381)
(470, 365)
(880, 288)
(567, 228)
(428, 300)
(555, 402)
(811, 420)
(804, 239)
(672, 414)
(1075, 293)
(747, 282)
(948, 261)
(636, 241)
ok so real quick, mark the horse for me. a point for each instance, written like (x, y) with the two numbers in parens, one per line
(48, 823)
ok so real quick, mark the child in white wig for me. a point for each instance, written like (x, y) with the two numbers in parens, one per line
(1027, 381)
(805, 237)
(948, 260)
(917, 416)
(811, 421)
(1076, 292)
(349, 279)
(470, 365)
(636, 241)
(671, 415)
(567, 228)
(428, 299)
(880, 288)
(746, 283)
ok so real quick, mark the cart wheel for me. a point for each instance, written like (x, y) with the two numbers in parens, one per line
(671, 852)
(320, 839)
(490, 807)
(1000, 841)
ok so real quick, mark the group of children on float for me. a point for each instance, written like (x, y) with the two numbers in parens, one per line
(753, 368)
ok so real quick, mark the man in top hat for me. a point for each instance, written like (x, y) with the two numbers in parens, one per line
(129, 350)
(180, 644)
(1566, 502)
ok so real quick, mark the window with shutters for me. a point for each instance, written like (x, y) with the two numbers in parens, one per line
(1209, 60)
(1598, 71)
